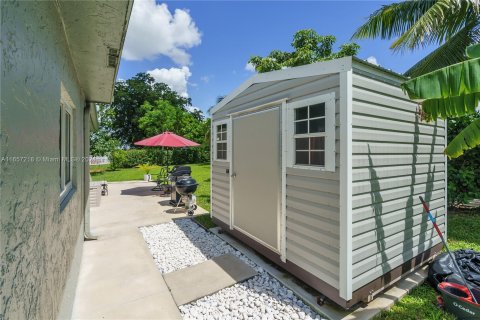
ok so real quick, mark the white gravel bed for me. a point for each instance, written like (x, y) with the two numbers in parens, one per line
(184, 243)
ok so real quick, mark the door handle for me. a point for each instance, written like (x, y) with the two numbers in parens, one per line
(233, 175)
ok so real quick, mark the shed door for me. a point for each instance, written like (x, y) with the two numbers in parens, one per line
(257, 176)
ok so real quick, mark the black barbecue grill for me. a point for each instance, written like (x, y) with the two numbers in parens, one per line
(179, 171)
(176, 174)
(186, 186)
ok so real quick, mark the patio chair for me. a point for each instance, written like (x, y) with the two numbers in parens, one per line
(163, 184)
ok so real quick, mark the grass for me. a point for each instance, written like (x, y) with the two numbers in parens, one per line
(205, 221)
(463, 233)
(200, 172)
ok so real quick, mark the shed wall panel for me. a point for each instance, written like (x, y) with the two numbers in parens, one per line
(395, 157)
(313, 201)
(221, 191)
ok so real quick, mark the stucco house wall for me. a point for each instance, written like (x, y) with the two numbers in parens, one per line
(37, 237)
(53, 53)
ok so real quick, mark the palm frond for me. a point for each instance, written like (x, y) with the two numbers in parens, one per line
(442, 20)
(455, 80)
(468, 138)
(451, 52)
(451, 106)
(393, 20)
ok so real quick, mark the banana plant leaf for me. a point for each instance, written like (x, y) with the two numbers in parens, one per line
(459, 79)
(466, 139)
(473, 51)
(451, 106)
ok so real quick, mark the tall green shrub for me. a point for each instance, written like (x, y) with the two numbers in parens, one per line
(117, 159)
(135, 157)
(463, 172)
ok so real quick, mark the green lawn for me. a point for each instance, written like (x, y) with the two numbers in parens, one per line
(200, 172)
(463, 232)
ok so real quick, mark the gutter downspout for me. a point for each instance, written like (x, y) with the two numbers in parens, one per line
(88, 112)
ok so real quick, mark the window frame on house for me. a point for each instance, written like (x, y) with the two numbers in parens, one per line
(66, 149)
(226, 141)
(328, 134)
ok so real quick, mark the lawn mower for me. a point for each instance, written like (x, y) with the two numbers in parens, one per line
(459, 299)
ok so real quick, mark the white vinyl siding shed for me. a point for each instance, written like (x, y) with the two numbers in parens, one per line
(347, 227)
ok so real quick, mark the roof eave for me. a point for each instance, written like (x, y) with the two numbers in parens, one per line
(314, 69)
(92, 28)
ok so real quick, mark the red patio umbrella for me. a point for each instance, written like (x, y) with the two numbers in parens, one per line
(166, 139)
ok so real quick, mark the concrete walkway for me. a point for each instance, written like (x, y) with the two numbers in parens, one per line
(118, 277)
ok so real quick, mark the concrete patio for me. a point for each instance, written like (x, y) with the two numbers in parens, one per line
(118, 277)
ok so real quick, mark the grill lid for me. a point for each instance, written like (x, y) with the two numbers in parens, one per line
(186, 182)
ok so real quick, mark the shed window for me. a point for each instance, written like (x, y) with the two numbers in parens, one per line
(221, 141)
(312, 132)
(66, 147)
(310, 135)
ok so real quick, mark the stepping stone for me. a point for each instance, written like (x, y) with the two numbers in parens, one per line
(203, 279)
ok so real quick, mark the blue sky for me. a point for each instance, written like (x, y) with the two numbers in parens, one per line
(203, 47)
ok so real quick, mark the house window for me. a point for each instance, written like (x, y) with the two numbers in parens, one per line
(310, 135)
(311, 132)
(221, 141)
(66, 147)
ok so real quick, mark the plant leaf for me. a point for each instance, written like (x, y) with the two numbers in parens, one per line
(451, 106)
(467, 139)
(419, 23)
(392, 20)
(442, 20)
(451, 52)
(455, 80)
(473, 51)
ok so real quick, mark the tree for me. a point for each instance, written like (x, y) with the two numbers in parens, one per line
(452, 24)
(162, 116)
(453, 91)
(309, 47)
(101, 141)
(128, 98)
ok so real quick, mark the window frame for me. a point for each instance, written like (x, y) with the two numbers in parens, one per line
(329, 134)
(215, 125)
(66, 186)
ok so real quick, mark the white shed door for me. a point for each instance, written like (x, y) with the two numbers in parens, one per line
(257, 176)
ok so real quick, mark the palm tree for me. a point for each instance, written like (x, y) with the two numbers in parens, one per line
(451, 24)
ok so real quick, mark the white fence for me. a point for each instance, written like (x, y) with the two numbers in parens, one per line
(99, 160)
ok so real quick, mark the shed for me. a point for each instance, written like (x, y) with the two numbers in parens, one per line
(319, 168)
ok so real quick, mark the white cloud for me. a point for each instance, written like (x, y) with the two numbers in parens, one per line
(192, 108)
(175, 78)
(250, 67)
(154, 31)
(205, 79)
(372, 60)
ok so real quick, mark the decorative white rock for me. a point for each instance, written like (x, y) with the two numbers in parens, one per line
(184, 243)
